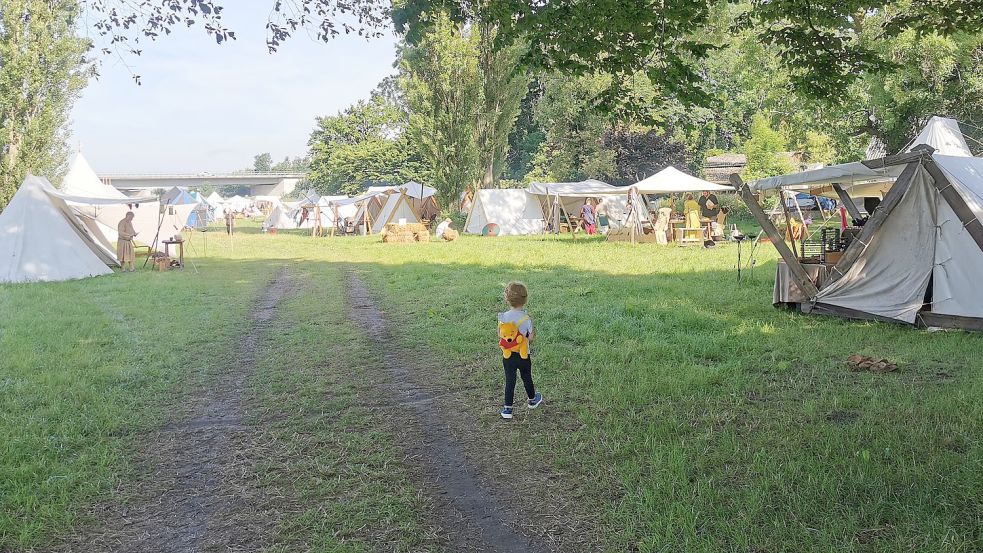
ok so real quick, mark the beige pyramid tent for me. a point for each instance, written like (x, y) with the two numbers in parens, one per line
(396, 209)
(41, 241)
(279, 219)
(514, 211)
(918, 257)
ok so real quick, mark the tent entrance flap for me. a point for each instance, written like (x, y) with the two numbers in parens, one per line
(890, 275)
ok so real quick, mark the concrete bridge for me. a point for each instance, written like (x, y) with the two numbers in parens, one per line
(259, 183)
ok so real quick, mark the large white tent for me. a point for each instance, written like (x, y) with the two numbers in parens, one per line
(673, 181)
(279, 218)
(514, 211)
(43, 238)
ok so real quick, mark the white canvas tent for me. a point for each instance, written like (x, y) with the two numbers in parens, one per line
(516, 212)
(396, 208)
(42, 238)
(279, 218)
(82, 183)
(673, 181)
(922, 241)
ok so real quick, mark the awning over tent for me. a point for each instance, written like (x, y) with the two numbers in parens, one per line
(413, 189)
(673, 181)
(587, 188)
(941, 133)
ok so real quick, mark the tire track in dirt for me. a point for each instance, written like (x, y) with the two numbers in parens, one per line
(473, 518)
(198, 492)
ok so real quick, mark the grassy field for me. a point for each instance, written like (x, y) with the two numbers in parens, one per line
(683, 411)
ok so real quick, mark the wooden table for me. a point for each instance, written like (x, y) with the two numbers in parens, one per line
(180, 250)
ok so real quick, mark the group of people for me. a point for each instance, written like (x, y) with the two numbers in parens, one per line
(594, 216)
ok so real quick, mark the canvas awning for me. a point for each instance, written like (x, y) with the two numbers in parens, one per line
(673, 181)
(941, 133)
(582, 189)
(413, 189)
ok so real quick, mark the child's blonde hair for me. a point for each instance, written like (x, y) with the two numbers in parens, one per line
(516, 294)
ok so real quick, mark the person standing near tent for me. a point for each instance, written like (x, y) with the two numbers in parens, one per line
(125, 252)
(515, 333)
(691, 210)
(588, 216)
(603, 223)
(230, 222)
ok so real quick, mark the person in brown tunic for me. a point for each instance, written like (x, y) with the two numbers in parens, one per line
(124, 244)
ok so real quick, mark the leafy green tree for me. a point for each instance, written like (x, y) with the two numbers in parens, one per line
(504, 85)
(263, 162)
(443, 85)
(292, 165)
(574, 147)
(766, 150)
(42, 70)
(365, 144)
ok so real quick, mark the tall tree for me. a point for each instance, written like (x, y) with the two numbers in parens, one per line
(444, 90)
(504, 85)
(42, 70)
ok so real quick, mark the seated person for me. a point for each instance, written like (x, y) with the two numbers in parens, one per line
(445, 232)
(709, 205)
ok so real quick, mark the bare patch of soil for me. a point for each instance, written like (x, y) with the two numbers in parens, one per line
(198, 492)
(477, 507)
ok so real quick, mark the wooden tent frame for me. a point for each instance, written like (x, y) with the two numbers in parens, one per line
(920, 156)
(403, 198)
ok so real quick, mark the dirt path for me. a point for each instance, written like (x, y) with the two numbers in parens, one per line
(471, 515)
(197, 494)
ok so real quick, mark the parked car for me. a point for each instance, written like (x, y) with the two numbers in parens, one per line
(805, 202)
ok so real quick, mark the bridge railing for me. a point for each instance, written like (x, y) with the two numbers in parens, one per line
(203, 175)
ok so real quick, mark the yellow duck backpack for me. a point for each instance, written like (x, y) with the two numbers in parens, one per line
(511, 340)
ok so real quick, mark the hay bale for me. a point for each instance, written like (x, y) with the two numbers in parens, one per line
(450, 235)
(395, 233)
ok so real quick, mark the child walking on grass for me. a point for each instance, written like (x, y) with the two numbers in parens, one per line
(515, 333)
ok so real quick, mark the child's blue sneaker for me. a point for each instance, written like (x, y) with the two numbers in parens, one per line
(507, 412)
(534, 402)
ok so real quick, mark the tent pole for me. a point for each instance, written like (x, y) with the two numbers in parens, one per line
(796, 270)
(848, 202)
(956, 202)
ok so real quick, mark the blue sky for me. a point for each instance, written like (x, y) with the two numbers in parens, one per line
(209, 107)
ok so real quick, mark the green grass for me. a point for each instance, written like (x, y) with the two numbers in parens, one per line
(684, 411)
